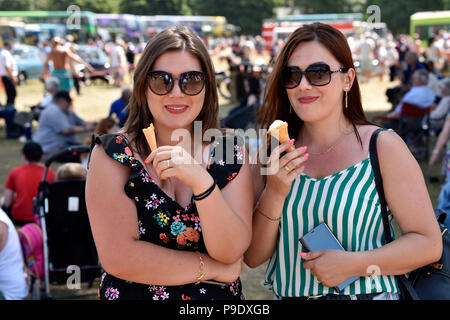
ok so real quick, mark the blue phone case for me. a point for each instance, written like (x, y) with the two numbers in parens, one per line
(321, 238)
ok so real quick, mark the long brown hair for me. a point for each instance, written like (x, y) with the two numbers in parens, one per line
(276, 102)
(170, 39)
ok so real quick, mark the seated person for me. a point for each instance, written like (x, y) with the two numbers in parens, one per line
(22, 185)
(8, 113)
(51, 86)
(420, 95)
(70, 171)
(12, 274)
(439, 113)
(241, 115)
(58, 127)
(118, 107)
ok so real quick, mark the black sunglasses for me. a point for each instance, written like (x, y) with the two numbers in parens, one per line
(190, 83)
(318, 74)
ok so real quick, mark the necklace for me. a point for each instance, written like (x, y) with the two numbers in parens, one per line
(333, 145)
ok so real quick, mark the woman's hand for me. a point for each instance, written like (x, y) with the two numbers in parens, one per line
(281, 172)
(175, 161)
(330, 267)
(226, 273)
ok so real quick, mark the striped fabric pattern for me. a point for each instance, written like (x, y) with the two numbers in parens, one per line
(348, 203)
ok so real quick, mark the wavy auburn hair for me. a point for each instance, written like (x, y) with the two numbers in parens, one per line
(170, 39)
(276, 102)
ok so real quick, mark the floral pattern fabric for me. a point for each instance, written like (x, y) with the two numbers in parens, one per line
(162, 221)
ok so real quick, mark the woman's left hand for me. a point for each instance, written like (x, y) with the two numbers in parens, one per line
(330, 267)
(175, 161)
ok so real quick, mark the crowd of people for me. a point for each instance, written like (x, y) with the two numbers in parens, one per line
(64, 68)
(172, 223)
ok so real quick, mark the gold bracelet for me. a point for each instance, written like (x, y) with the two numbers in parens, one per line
(201, 273)
(266, 216)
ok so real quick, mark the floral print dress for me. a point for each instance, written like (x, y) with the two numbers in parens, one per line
(162, 221)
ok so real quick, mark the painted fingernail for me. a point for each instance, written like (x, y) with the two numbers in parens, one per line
(303, 149)
(292, 141)
(302, 254)
(306, 156)
(302, 167)
(147, 160)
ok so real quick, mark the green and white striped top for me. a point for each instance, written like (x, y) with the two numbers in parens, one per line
(348, 203)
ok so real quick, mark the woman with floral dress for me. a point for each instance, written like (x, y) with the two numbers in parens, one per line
(171, 223)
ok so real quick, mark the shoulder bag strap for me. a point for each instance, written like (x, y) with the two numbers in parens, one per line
(406, 288)
(379, 183)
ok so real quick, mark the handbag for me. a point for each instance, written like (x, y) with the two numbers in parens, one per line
(431, 282)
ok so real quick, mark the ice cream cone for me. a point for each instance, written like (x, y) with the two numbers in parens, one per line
(150, 136)
(279, 130)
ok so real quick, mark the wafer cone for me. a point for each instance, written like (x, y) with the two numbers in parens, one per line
(279, 130)
(150, 136)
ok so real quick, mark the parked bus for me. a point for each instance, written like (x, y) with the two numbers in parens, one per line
(279, 29)
(38, 33)
(202, 25)
(127, 26)
(81, 24)
(427, 23)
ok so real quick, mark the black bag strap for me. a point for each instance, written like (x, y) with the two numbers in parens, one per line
(379, 183)
(406, 288)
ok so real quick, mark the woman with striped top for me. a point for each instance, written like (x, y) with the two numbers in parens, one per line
(314, 78)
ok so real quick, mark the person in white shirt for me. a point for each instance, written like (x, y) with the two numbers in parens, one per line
(118, 60)
(8, 72)
(366, 52)
(439, 113)
(420, 95)
(392, 59)
(381, 55)
(12, 275)
(51, 86)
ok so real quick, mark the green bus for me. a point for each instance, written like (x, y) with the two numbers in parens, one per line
(427, 23)
(81, 24)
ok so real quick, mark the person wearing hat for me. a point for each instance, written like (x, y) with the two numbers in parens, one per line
(58, 127)
(61, 57)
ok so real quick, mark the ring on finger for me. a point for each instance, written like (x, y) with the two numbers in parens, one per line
(169, 165)
(287, 168)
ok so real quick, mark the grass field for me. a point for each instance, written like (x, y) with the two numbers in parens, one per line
(94, 103)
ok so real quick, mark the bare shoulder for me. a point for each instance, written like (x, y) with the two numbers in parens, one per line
(101, 163)
(3, 234)
(386, 140)
(3, 228)
(395, 157)
(389, 141)
(366, 131)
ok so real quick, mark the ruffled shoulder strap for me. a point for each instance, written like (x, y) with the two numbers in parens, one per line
(118, 148)
(226, 159)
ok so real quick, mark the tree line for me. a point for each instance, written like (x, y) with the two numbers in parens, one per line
(247, 14)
